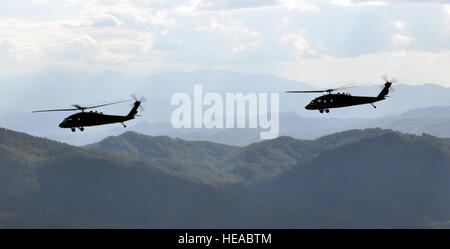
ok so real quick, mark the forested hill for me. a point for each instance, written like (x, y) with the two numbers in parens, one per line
(207, 161)
(66, 186)
(358, 178)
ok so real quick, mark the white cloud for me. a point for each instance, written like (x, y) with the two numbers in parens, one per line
(401, 40)
(446, 8)
(16, 58)
(299, 5)
(234, 34)
(411, 67)
(77, 48)
(355, 3)
(351, 3)
(70, 45)
(284, 23)
(105, 20)
(143, 35)
(298, 43)
(93, 20)
(20, 53)
(107, 56)
(122, 11)
(233, 4)
(399, 25)
(65, 2)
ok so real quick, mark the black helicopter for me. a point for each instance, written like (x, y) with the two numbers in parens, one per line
(94, 118)
(336, 100)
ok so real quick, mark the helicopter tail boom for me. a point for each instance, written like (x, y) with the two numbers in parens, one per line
(385, 90)
(134, 111)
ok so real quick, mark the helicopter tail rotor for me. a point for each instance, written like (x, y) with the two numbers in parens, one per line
(387, 86)
(138, 100)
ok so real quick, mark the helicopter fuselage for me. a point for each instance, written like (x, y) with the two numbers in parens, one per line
(93, 118)
(336, 100)
(329, 101)
(82, 119)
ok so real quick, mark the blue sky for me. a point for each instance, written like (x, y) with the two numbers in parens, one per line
(312, 41)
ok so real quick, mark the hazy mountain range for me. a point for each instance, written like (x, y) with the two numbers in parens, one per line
(60, 90)
(433, 120)
(357, 178)
(411, 109)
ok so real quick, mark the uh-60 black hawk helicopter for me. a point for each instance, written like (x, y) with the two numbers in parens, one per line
(336, 100)
(94, 118)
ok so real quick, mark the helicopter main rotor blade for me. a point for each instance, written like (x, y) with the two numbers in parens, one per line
(57, 110)
(82, 108)
(318, 91)
(346, 86)
(327, 90)
(95, 106)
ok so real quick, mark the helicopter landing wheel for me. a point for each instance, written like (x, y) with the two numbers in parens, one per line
(73, 129)
(327, 111)
(81, 128)
(321, 110)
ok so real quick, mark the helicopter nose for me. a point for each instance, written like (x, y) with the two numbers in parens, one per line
(308, 107)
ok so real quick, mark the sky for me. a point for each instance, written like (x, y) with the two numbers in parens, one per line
(317, 42)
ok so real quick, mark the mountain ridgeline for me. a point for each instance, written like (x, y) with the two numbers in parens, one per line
(358, 178)
(224, 163)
